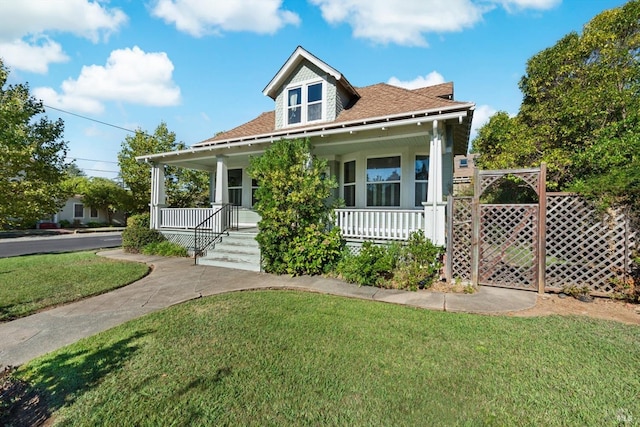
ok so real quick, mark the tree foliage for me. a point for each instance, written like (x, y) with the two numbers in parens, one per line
(184, 187)
(295, 229)
(579, 114)
(32, 155)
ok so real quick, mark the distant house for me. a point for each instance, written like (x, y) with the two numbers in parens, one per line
(391, 149)
(76, 213)
(464, 167)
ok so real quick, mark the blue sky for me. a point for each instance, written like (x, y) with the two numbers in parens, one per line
(200, 66)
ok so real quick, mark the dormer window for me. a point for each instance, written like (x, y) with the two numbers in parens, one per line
(304, 103)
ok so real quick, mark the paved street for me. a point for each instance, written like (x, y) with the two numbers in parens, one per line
(62, 243)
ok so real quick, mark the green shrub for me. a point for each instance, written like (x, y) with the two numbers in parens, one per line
(141, 220)
(314, 251)
(419, 264)
(64, 223)
(137, 235)
(410, 266)
(95, 224)
(165, 248)
(372, 266)
(292, 201)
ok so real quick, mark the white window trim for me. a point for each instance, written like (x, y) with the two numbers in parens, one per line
(304, 104)
(350, 184)
(367, 182)
(74, 210)
(419, 181)
(236, 187)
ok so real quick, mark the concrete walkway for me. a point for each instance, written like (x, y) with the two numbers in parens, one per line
(175, 280)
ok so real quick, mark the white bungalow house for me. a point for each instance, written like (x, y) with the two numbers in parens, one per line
(391, 150)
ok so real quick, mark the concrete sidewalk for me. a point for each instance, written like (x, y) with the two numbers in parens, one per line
(175, 280)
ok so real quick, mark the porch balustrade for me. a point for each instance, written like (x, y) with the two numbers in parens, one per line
(379, 224)
(184, 218)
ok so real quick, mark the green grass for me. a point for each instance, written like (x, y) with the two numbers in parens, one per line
(293, 358)
(31, 283)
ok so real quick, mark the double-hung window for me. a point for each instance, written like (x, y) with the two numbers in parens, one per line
(78, 210)
(349, 186)
(305, 103)
(383, 181)
(235, 186)
(421, 178)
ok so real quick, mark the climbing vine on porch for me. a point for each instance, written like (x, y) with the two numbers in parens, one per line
(296, 234)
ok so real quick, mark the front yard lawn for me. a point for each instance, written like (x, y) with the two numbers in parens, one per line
(294, 358)
(32, 283)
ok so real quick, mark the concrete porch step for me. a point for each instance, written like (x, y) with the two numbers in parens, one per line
(238, 250)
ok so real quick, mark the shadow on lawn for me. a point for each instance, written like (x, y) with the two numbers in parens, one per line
(59, 380)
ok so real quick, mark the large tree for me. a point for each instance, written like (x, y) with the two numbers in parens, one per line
(579, 113)
(184, 188)
(32, 157)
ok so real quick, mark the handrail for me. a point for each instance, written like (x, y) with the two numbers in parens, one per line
(210, 231)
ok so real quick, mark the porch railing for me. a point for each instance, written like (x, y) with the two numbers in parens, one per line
(378, 224)
(210, 230)
(185, 218)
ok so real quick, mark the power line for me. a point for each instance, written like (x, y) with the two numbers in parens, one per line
(91, 160)
(96, 120)
(99, 170)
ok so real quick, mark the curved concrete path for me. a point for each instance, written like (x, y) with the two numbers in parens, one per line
(176, 280)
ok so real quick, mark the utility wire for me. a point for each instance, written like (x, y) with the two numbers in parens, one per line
(97, 121)
(91, 160)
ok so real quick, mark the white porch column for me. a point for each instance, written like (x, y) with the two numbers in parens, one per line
(222, 182)
(158, 195)
(434, 208)
(212, 187)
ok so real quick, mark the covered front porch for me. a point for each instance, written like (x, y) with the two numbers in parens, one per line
(391, 179)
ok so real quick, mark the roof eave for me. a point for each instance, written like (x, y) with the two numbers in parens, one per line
(433, 113)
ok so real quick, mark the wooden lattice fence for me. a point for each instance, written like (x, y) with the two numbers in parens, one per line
(584, 247)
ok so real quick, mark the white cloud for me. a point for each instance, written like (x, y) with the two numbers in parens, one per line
(405, 22)
(433, 78)
(199, 18)
(481, 116)
(28, 24)
(34, 57)
(510, 5)
(130, 75)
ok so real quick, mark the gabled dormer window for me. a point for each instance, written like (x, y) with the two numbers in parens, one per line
(305, 103)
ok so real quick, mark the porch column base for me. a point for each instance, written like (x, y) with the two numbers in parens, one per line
(434, 215)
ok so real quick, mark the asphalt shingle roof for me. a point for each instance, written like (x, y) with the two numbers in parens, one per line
(376, 101)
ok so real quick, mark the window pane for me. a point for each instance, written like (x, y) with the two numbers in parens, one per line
(94, 213)
(383, 169)
(422, 168)
(78, 210)
(350, 172)
(421, 192)
(350, 195)
(235, 177)
(235, 196)
(295, 115)
(295, 97)
(464, 163)
(314, 112)
(383, 194)
(314, 92)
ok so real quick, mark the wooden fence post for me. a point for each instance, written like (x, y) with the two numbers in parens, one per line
(542, 227)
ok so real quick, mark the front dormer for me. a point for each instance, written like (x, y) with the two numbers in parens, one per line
(307, 91)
